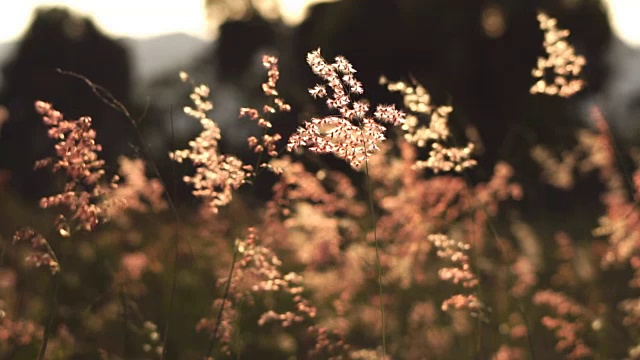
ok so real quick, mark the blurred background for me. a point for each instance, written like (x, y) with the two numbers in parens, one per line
(475, 57)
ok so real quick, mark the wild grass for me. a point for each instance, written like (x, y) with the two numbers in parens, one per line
(399, 257)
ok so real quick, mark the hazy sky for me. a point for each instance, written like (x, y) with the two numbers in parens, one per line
(144, 18)
(624, 18)
(135, 18)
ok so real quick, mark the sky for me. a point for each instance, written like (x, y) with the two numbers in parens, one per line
(148, 18)
(624, 19)
(132, 18)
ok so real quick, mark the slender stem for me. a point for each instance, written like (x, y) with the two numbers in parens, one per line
(503, 252)
(238, 336)
(53, 305)
(176, 246)
(105, 96)
(171, 302)
(125, 321)
(257, 169)
(378, 265)
(214, 333)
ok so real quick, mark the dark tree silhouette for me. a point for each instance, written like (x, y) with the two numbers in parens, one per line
(476, 56)
(57, 39)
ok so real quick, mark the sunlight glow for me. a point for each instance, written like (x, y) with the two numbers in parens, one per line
(147, 18)
(137, 18)
(624, 20)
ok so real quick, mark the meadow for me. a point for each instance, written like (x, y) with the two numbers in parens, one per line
(397, 254)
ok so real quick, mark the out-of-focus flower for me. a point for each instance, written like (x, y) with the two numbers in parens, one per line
(441, 157)
(134, 264)
(562, 65)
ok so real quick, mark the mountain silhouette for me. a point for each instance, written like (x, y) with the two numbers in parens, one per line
(150, 57)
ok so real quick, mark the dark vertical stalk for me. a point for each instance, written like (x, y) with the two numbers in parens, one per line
(176, 256)
(213, 336)
(125, 323)
(53, 309)
(378, 265)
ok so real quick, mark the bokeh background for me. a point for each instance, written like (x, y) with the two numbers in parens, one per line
(475, 55)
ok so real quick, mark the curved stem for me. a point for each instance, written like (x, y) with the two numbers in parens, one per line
(214, 333)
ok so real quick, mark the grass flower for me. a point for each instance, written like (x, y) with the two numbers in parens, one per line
(77, 156)
(352, 135)
(217, 175)
(435, 135)
(557, 74)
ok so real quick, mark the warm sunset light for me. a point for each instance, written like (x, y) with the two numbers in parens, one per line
(624, 20)
(141, 18)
